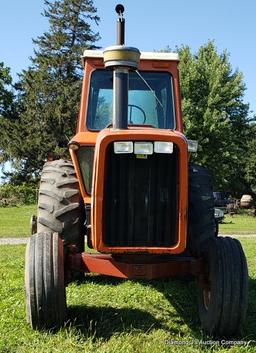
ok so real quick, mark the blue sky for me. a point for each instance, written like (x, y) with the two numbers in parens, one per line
(149, 25)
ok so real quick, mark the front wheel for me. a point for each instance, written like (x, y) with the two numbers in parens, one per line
(223, 292)
(44, 281)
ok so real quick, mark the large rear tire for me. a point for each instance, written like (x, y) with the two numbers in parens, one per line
(44, 281)
(223, 293)
(60, 206)
(201, 221)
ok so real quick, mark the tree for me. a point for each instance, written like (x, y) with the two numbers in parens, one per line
(250, 168)
(214, 114)
(48, 92)
(6, 95)
(7, 102)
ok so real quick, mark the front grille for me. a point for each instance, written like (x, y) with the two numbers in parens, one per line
(140, 199)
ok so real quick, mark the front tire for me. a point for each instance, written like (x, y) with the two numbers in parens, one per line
(223, 293)
(44, 281)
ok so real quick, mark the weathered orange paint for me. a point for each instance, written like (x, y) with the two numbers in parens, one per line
(107, 136)
(134, 133)
(83, 139)
(92, 64)
(129, 268)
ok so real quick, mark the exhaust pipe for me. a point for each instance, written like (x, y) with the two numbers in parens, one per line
(121, 59)
(120, 25)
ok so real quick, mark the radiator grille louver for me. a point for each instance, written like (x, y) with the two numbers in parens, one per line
(140, 200)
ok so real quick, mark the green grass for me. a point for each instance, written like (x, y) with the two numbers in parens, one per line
(15, 221)
(238, 224)
(109, 315)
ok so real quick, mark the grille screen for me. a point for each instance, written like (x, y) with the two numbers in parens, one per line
(140, 199)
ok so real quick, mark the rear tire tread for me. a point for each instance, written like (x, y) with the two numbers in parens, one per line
(201, 222)
(60, 205)
(62, 211)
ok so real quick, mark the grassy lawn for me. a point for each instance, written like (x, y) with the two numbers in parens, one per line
(238, 224)
(110, 315)
(15, 221)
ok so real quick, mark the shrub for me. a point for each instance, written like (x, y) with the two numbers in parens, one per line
(14, 195)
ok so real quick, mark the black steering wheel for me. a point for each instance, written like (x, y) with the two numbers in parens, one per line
(131, 106)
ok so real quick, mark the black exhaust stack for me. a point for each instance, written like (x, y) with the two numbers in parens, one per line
(120, 79)
(120, 25)
(121, 59)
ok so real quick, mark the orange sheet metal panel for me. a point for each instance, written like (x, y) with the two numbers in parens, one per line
(107, 265)
(82, 138)
(148, 65)
(107, 136)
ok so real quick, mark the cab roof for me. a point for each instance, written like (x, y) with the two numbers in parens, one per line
(98, 54)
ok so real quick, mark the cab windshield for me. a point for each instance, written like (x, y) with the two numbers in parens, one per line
(150, 100)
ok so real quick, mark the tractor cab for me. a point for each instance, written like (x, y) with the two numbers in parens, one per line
(151, 98)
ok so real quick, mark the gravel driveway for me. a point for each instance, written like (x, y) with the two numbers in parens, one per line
(17, 241)
(13, 241)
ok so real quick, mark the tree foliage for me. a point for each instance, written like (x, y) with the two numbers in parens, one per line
(214, 114)
(49, 91)
(16, 195)
(7, 106)
(250, 167)
(6, 95)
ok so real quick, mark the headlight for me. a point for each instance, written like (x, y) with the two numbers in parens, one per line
(123, 147)
(163, 147)
(143, 147)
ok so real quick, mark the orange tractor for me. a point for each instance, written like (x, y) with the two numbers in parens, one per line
(130, 191)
